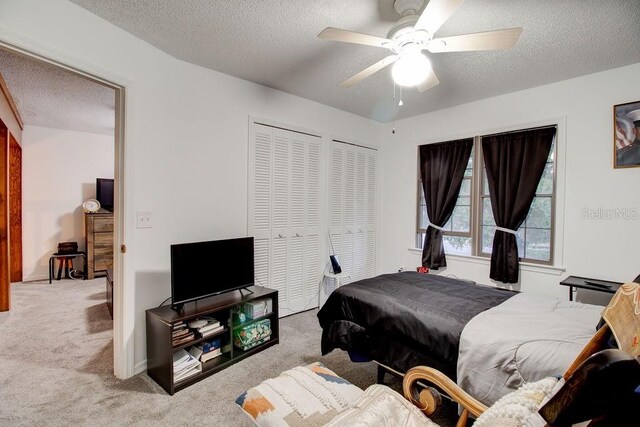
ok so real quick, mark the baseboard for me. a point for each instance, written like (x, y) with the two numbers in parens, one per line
(140, 367)
(35, 278)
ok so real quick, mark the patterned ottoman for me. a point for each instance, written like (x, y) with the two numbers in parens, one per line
(304, 396)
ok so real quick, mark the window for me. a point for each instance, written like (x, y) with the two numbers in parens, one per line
(457, 231)
(471, 227)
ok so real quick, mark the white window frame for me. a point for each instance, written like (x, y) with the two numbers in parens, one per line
(555, 264)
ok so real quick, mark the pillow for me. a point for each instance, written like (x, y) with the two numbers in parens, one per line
(382, 406)
(311, 396)
(520, 407)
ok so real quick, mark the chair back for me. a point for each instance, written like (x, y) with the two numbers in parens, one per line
(602, 389)
(601, 384)
(622, 320)
(623, 317)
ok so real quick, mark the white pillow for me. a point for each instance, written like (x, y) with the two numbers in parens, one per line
(381, 406)
(519, 408)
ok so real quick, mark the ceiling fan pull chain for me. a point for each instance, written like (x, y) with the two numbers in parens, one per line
(395, 110)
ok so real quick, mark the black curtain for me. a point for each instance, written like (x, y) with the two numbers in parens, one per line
(442, 169)
(514, 163)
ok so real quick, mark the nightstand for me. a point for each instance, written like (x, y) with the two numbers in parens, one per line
(598, 285)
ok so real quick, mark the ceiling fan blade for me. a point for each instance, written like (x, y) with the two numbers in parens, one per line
(338, 35)
(490, 40)
(435, 14)
(369, 71)
(430, 82)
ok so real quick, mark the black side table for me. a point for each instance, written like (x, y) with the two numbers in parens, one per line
(63, 263)
(574, 282)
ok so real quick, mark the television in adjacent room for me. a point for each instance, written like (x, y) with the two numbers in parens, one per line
(104, 193)
(202, 269)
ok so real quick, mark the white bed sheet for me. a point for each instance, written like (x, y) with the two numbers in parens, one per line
(524, 339)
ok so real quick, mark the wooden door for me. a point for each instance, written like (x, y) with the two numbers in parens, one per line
(4, 220)
(15, 210)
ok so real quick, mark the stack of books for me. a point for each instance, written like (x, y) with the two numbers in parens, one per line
(210, 328)
(180, 334)
(207, 351)
(185, 365)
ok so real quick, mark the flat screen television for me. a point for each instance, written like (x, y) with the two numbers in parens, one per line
(104, 193)
(202, 269)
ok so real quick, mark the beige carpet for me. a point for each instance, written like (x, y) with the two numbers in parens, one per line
(56, 366)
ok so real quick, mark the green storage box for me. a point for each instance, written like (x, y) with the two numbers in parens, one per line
(251, 335)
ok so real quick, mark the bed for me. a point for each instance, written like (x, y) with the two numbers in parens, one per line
(492, 340)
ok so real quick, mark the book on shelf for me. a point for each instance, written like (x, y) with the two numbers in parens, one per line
(185, 366)
(212, 324)
(211, 345)
(182, 340)
(210, 355)
(196, 369)
(180, 333)
(181, 356)
(211, 331)
(196, 351)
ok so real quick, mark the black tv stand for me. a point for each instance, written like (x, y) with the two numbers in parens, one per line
(245, 289)
(162, 320)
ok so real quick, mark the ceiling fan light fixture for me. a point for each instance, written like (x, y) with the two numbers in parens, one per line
(411, 69)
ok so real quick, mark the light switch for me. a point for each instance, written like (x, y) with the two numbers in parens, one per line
(143, 219)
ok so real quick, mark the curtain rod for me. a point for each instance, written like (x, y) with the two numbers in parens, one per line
(520, 130)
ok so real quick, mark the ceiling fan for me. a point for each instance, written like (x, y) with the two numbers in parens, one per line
(413, 34)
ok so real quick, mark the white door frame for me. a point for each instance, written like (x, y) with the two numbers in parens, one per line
(123, 299)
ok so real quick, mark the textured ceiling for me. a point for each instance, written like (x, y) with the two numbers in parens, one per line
(275, 43)
(49, 96)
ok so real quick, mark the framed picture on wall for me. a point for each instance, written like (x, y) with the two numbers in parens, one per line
(626, 135)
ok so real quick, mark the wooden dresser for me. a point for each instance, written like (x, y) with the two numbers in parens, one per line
(98, 235)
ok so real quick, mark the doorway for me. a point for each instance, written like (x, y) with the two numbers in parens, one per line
(7, 255)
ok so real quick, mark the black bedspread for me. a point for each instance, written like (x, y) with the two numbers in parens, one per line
(404, 319)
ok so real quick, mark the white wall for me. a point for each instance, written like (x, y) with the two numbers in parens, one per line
(60, 168)
(187, 134)
(606, 249)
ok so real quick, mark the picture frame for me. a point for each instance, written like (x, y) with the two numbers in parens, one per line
(626, 135)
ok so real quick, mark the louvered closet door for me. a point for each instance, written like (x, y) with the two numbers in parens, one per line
(370, 212)
(297, 214)
(336, 199)
(313, 260)
(352, 208)
(349, 212)
(284, 213)
(359, 216)
(260, 165)
(280, 257)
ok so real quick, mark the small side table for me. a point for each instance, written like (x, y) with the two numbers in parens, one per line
(337, 277)
(326, 290)
(575, 282)
(64, 258)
